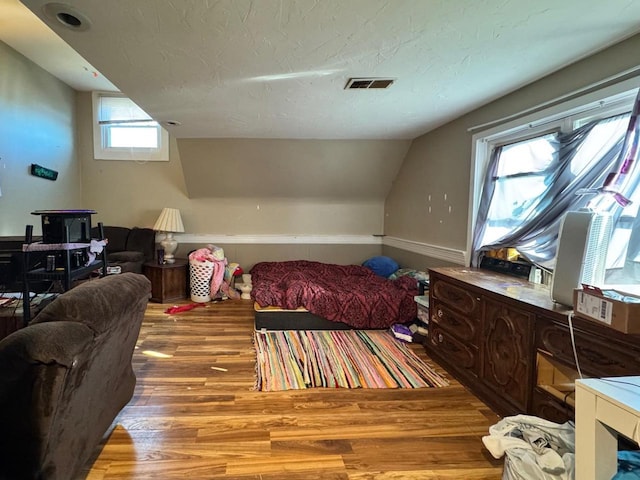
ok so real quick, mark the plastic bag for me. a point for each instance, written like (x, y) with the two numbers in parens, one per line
(534, 448)
(628, 466)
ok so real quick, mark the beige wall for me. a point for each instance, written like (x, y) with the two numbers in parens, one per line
(343, 189)
(347, 171)
(37, 124)
(247, 255)
(407, 259)
(439, 162)
(223, 199)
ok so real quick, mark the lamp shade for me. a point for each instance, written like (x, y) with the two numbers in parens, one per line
(169, 221)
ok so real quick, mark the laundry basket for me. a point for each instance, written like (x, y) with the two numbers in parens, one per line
(200, 273)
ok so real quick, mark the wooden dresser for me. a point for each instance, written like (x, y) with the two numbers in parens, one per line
(505, 340)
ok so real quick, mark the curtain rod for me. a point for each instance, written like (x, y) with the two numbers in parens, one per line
(622, 76)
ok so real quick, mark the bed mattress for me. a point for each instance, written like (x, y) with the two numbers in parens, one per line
(276, 318)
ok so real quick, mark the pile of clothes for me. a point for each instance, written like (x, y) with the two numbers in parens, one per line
(534, 448)
(224, 272)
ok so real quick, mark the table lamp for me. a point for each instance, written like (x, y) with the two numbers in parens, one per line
(168, 223)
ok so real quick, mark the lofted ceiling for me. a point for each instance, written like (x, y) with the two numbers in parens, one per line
(277, 68)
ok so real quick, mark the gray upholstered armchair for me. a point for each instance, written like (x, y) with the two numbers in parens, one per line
(66, 376)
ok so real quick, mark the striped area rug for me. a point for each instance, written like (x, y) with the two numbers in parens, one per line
(291, 360)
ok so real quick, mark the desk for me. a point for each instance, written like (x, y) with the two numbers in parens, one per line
(604, 408)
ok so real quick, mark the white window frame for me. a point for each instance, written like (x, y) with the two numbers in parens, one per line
(564, 116)
(102, 152)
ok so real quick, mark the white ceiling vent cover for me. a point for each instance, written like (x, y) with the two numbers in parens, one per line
(354, 83)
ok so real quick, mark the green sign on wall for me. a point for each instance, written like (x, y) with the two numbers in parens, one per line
(43, 172)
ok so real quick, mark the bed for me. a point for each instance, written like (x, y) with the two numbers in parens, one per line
(301, 294)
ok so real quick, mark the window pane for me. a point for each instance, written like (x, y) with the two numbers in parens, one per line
(514, 200)
(520, 184)
(132, 137)
(599, 141)
(120, 108)
(122, 131)
(518, 195)
(533, 155)
(619, 243)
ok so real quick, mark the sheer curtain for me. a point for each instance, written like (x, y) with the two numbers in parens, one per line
(530, 184)
(620, 194)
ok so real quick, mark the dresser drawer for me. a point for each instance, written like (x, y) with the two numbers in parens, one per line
(463, 327)
(455, 297)
(600, 356)
(546, 406)
(460, 355)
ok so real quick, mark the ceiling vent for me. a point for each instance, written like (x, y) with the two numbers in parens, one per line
(354, 83)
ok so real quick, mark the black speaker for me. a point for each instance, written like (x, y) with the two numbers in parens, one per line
(517, 268)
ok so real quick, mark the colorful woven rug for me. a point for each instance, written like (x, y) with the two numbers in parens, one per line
(291, 360)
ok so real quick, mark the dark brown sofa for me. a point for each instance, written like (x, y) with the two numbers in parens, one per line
(128, 248)
(66, 376)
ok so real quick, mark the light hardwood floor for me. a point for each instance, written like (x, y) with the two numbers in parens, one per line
(196, 416)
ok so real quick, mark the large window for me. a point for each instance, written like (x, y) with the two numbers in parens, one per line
(123, 131)
(529, 175)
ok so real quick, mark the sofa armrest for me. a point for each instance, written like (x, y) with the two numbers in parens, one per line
(36, 365)
(44, 343)
(65, 377)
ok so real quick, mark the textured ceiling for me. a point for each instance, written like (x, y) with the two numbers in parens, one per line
(277, 68)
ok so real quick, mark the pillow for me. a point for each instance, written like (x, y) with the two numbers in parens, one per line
(141, 240)
(410, 272)
(381, 265)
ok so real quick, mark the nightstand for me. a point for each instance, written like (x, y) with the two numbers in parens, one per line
(168, 281)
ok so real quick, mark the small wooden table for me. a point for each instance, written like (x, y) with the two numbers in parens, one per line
(168, 281)
(604, 408)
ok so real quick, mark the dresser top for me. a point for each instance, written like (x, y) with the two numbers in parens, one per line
(517, 288)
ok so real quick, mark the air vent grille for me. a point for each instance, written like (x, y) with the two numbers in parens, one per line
(359, 83)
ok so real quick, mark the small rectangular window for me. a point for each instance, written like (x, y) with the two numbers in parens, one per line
(123, 131)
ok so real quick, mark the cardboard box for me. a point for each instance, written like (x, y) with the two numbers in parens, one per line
(617, 310)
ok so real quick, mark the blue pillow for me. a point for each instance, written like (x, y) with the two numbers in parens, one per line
(381, 265)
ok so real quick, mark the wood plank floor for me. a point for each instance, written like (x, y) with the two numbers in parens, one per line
(195, 415)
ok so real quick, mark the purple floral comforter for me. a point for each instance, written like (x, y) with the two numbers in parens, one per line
(346, 293)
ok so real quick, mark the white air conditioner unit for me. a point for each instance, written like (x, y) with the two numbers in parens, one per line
(582, 253)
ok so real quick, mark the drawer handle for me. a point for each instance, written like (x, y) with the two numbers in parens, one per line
(440, 338)
(440, 313)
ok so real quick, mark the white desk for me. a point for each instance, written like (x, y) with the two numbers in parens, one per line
(604, 408)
